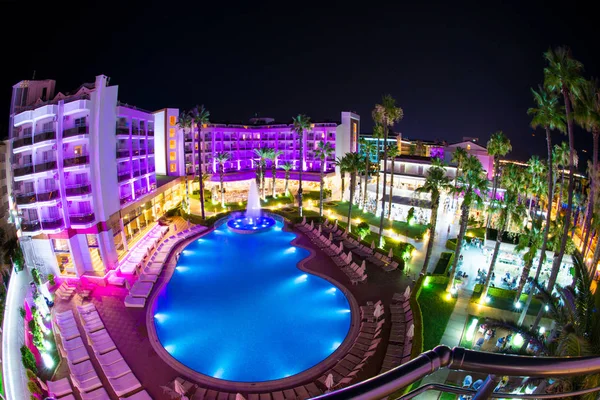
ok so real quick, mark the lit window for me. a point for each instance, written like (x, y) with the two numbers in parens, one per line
(173, 167)
(196, 146)
(354, 127)
(171, 132)
(172, 156)
(171, 144)
(468, 147)
(172, 120)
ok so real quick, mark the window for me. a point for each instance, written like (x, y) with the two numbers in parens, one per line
(171, 132)
(80, 121)
(173, 167)
(77, 151)
(196, 146)
(171, 144)
(3, 174)
(48, 126)
(172, 156)
(172, 120)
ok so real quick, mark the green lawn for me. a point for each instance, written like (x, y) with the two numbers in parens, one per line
(503, 299)
(436, 310)
(464, 342)
(476, 232)
(413, 231)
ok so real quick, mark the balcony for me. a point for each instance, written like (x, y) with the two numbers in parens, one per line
(25, 198)
(136, 173)
(140, 192)
(81, 219)
(48, 196)
(126, 199)
(20, 142)
(122, 130)
(151, 132)
(30, 226)
(122, 153)
(136, 131)
(52, 224)
(80, 160)
(78, 130)
(47, 166)
(123, 176)
(187, 138)
(139, 152)
(44, 136)
(24, 170)
(79, 189)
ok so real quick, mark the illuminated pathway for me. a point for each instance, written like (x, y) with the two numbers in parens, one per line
(13, 334)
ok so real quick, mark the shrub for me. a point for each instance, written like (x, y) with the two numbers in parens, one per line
(451, 244)
(36, 276)
(34, 388)
(30, 375)
(363, 230)
(405, 250)
(173, 212)
(22, 312)
(410, 216)
(51, 280)
(446, 259)
(28, 359)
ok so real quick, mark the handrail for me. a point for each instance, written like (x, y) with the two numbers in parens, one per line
(459, 358)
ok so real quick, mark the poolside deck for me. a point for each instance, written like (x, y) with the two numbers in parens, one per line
(127, 326)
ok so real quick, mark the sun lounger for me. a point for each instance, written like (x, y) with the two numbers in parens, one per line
(141, 289)
(69, 333)
(59, 388)
(98, 394)
(143, 395)
(116, 370)
(103, 346)
(153, 269)
(148, 278)
(125, 384)
(72, 344)
(77, 355)
(81, 368)
(88, 385)
(135, 302)
(302, 393)
(93, 325)
(109, 358)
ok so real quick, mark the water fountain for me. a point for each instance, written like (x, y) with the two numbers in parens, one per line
(253, 220)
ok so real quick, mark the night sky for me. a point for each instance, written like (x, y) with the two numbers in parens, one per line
(456, 69)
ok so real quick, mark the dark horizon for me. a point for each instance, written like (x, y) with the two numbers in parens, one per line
(456, 71)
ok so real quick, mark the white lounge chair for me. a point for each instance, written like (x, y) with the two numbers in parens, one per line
(72, 344)
(148, 278)
(141, 289)
(109, 358)
(116, 370)
(135, 302)
(125, 384)
(88, 385)
(77, 355)
(81, 368)
(98, 394)
(143, 395)
(59, 388)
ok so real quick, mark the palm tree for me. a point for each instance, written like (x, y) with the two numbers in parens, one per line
(342, 164)
(530, 241)
(353, 162)
(263, 154)
(436, 181)
(385, 114)
(301, 124)
(563, 75)
(472, 184)
(221, 159)
(535, 168)
(184, 121)
(273, 157)
(393, 152)
(561, 157)
(287, 166)
(510, 211)
(323, 151)
(200, 117)
(368, 148)
(587, 114)
(459, 156)
(378, 134)
(498, 146)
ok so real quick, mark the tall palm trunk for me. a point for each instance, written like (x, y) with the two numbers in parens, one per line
(343, 183)
(221, 170)
(352, 186)
(570, 190)
(546, 228)
(274, 173)
(435, 203)
(367, 170)
(488, 278)
(301, 140)
(377, 182)
(287, 181)
(385, 134)
(531, 198)
(560, 192)
(200, 169)
(523, 279)
(494, 188)
(391, 193)
(455, 194)
(322, 184)
(595, 258)
(590, 206)
(263, 179)
(464, 219)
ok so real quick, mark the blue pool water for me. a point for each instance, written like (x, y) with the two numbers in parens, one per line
(237, 308)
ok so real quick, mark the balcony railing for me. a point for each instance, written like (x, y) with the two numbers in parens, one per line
(78, 130)
(135, 131)
(187, 138)
(24, 141)
(79, 189)
(47, 166)
(30, 226)
(123, 176)
(126, 199)
(51, 224)
(47, 196)
(151, 132)
(82, 218)
(140, 192)
(122, 153)
(139, 152)
(25, 198)
(136, 173)
(43, 136)
(122, 130)
(496, 365)
(79, 160)
(24, 170)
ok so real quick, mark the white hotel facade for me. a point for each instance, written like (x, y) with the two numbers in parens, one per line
(84, 169)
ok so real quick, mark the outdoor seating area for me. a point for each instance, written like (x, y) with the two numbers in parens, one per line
(142, 249)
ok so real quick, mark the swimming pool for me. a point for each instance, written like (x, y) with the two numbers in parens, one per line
(237, 308)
